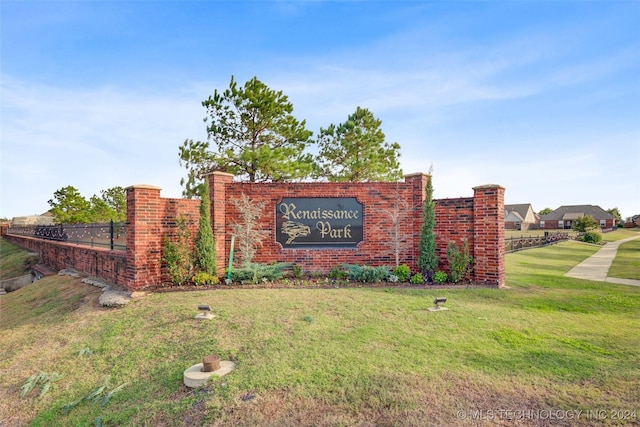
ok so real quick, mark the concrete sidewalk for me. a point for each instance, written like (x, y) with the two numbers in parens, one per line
(597, 265)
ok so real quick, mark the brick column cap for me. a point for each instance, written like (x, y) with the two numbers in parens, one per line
(416, 174)
(144, 187)
(219, 173)
(488, 186)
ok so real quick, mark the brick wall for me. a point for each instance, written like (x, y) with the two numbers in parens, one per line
(479, 220)
(100, 262)
(150, 218)
(376, 248)
(454, 222)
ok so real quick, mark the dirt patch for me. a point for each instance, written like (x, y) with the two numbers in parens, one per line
(451, 400)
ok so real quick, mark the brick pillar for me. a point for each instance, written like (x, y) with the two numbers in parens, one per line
(418, 183)
(144, 239)
(488, 234)
(218, 200)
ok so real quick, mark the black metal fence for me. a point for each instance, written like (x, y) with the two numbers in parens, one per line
(514, 244)
(112, 235)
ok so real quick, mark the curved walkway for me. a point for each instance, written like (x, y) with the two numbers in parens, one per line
(597, 265)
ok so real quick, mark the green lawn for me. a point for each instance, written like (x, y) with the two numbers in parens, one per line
(334, 356)
(14, 261)
(508, 234)
(620, 233)
(626, 264)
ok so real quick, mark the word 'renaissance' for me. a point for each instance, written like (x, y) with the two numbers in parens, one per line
(289, 211)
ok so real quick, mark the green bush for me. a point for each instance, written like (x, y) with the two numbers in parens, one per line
(440, 277)
(177, 262)
(459, 260)
(256, 273)
(403, 273)
(296, 271)
(417, 279)
(427, 258)
(585, 223)
(367, 274)
(176, 253)
(205, 246)
(592, 237)
(337, 273)
(204, 279)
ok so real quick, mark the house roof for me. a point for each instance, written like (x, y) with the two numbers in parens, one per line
(521, 209)
(576, 211)
(573, 215)
(513, 216)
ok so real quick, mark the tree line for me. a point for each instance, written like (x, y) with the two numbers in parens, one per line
(253, 134)
(68, 206)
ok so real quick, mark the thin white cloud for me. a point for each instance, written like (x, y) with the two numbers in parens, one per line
(92, 139)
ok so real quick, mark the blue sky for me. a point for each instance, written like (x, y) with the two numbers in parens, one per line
(542, 98)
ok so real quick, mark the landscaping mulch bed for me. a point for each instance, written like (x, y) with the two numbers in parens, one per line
(318, 284)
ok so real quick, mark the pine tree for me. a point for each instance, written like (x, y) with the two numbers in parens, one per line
(251, 133)
(357, 151)
(206, 259)
(428, 260)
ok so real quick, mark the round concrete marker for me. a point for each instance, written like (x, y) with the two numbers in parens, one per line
(196, 377)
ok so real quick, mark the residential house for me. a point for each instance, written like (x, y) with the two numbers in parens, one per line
(634, 221)
(520, 217)
(44, 219)
(565, 216)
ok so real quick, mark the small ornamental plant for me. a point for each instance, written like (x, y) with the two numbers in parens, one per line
(402, 272)
(205, 279)
(417, 279)
(591, 237)
(459, 260)
(440, 277)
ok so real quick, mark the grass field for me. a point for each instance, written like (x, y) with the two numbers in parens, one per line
(626, 265)
(620, 233)
(14, 261)
(534, 233)
(548, 346)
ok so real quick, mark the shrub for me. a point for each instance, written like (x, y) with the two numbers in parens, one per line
(392, 278)
(417, 279)
(402, 272)
(585, 223)
(205, 251)
(440, 277)
(427, 258)
(337, 273)
(592, 237)
(459, 260)
(256, 273)
(178, 267)
(367, 274)
(176, 253)
(203, 279)
(296, 270)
